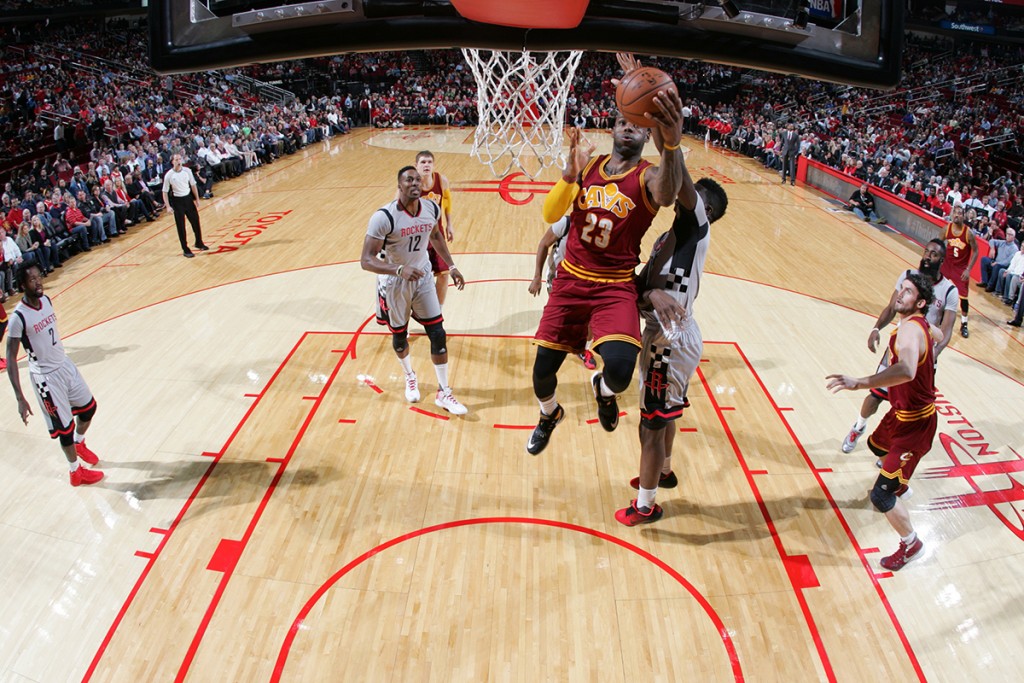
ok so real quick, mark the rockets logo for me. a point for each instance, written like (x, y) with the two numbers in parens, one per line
(993, 483)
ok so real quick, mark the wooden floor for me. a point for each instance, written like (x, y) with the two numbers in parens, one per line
(273, 509)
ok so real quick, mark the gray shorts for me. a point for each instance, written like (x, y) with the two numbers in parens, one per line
(665, 372)
(62, 394)
(398, 299)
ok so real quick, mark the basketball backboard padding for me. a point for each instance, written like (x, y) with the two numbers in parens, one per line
(524, 13)
(184, 40)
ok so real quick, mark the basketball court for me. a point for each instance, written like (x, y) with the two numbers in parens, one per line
(273, 509)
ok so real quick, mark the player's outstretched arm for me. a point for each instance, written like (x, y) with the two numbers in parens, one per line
(559, 197)
(884, 318)
(910, 341)
(665, 181)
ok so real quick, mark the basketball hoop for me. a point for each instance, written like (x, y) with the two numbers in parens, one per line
(521, 107)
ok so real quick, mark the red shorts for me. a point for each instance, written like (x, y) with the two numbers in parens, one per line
(957, 279)
(905, 443)
(437, 264)
(581, 309)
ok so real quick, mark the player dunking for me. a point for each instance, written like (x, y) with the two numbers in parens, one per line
(614, 199)
(68, 405)
(436, 189)
(672, 341)
(909, 427)
(961, 253)
(402, 229)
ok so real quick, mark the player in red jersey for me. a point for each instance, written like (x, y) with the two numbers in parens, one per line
(3, 328)
(437, 190)
(909, 427)
(961, 253)
(614, 199)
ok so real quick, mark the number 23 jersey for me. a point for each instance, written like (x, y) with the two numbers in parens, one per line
(611, 214)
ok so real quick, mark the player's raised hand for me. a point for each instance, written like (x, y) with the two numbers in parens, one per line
(669, 117)
(628, 62)
(576, 160)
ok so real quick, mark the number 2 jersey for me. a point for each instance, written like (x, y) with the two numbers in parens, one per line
(37, 330)
(611, 214)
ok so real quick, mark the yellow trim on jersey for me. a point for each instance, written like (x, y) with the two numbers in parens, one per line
(597, 276)
(898, 474)
(616, 337)
(914, 415)
(553, 345)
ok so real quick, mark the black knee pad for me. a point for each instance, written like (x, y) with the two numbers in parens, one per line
(438, 339)
(545, 371)
(883, 493)
(400, 340)
(67, 439)
(619, 364)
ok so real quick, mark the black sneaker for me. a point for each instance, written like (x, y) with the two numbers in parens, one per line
(542, 432)
(666, 481)
(607, 406)
(963, 331)
(632, 515)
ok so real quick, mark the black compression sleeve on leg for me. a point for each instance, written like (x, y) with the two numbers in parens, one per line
(545, 371)
(619, 364)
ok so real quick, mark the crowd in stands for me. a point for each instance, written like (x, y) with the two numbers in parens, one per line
(932, 141)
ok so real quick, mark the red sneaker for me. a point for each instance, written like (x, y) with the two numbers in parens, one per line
(83, 476)
(903, 555)
(632, 515)
(85, 454)
(3, 364)
(589, 362)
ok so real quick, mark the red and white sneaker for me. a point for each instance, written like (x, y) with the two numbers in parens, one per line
(3, 364)
(850, 442)
(82, 476)
(904, 554)
(589, 362)
(633, 515)
(444, 399)
(85, 454)
(412, 388)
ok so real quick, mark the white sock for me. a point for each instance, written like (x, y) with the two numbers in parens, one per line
(963, 319)
(548, 405)
(79, 438)
(73, 465)
(909, 539)
(666, 469)
(605, 391)
(442, 377)
(645, 499)
(406, 364)
(862, 422)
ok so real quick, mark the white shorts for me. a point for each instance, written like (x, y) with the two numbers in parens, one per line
(397, 299)
(665, 372)
(62, 394)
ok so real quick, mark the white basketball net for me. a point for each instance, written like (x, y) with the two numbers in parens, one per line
(521, 107)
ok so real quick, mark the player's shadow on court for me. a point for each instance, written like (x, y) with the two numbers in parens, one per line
(521, 323)
(230, 481)
(90, 355)
(746, 517)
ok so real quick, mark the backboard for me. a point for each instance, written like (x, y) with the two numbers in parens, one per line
(848, 41)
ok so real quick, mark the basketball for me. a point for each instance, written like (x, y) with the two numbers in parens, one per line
(636, 91)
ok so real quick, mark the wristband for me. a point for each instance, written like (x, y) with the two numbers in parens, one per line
(400, 268)
(670, 148)
(452, 266)
(875, 329)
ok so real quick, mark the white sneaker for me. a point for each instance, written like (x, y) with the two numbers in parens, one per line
(412, 388)
(447, 401)
(850, 442)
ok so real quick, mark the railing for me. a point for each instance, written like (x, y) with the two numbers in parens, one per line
(262, 89)
(992, 141)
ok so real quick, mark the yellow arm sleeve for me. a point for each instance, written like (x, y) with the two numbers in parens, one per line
(558, 200)
(446, 201)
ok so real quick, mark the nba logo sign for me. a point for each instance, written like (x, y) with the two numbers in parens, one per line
(827, 9)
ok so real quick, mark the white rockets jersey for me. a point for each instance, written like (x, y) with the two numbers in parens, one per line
(677, 258)
(37, 330)
(405, 236)
(560, 229)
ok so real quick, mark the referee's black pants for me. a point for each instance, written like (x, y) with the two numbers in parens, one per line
(186, 206)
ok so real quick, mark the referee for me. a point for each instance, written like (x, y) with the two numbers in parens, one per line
(181, 194)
